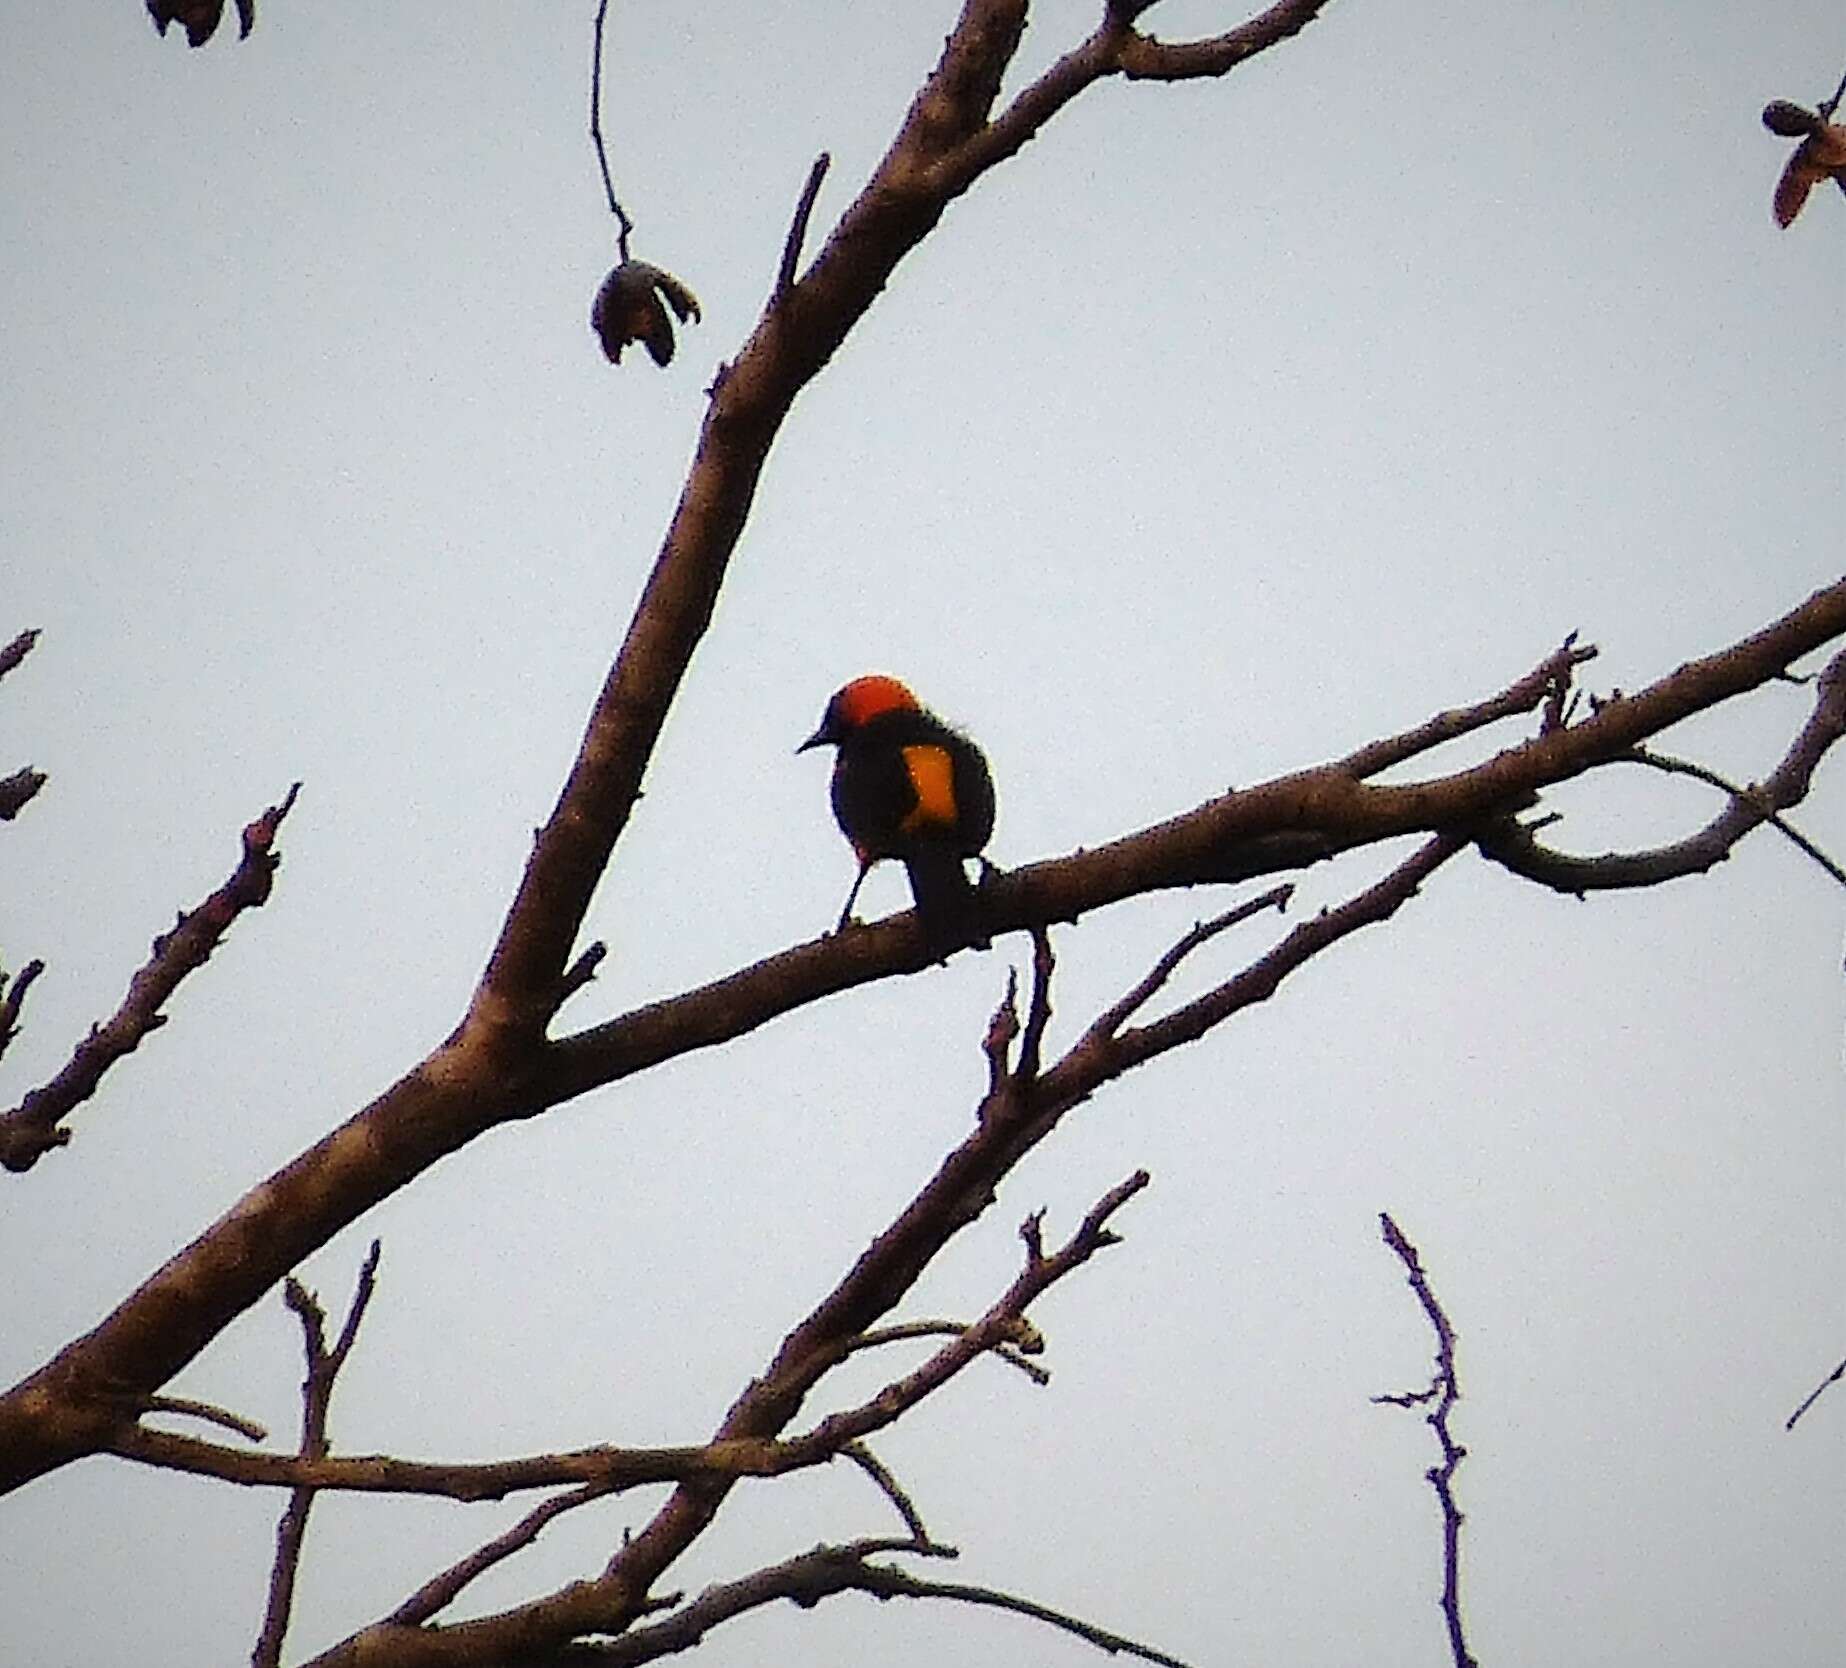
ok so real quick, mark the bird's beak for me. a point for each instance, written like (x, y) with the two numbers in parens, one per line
(820, 738)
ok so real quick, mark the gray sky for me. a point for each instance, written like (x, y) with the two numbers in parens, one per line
(1229, 426)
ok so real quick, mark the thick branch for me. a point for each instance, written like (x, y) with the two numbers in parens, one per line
(606, 1469)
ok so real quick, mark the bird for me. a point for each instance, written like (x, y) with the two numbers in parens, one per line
(1820, 155)
(907, 785)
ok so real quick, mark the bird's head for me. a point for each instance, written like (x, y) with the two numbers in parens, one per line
(858, 703)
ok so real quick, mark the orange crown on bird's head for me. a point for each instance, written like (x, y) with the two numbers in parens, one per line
(866, 698)
(859, 702)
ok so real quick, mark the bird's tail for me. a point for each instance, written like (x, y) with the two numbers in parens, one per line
(947, 905)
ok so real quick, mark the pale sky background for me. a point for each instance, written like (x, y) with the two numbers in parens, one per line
(1229, 426)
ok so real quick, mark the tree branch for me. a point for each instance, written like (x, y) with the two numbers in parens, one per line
(1515, 847)
(1443, 1391)
(813, 1576)
(1815, 1394)
(323, 1367)
(18, 790)
(17, 650)
(606, 1469)
(61, 1411)
(798, 227)
(30, 1130)
(13, 999)
(440, 1591)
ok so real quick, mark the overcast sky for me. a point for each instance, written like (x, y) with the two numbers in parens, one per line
(1229, 426)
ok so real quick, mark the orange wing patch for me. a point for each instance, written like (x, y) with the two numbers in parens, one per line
(932, 774)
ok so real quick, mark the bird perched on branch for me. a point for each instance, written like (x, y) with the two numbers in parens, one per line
(906, 785)
(1821, 153)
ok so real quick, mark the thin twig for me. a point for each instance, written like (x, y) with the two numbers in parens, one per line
(1818, 1391)
(441, 1590)
(1511, 844)
(1042, 1270)
(1027, 1341)
(581, 971)
(1038, 1014)
(1114, 1017)
(1544, 687)
(316, 1398)
(1444, 1391)
(185, 1407)
(826, 1570)
(798, 228)
(13, 998)
(623, 224)
(891, 1488)
(887, 1582)
(1002, 1033)
(1832, 104)
(1752, 797)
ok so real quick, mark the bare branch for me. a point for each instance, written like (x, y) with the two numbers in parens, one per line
(887, 1582)
(440, 1591)
(1444, 1391)
(1103, 1051)
(1113, 1018)
(813, 1576)
(605, 1468)
(471, 1083)
(185, 1407)
(1041, 1271)
(17, 650)
(31, 1129)
(323, 1367)
(1026, 1340)
(798, 227)
(1038, 1014)
(1115, 49)
(13, 999)
(1002, 1032)
(805, 1580)
(1514, 847)
(18, 790)
(1815, 1394)
(581, 971)
(1548, 683)
(888, 1485)
(1146, 59)
(1753, 797)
